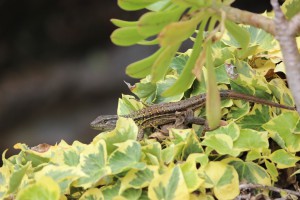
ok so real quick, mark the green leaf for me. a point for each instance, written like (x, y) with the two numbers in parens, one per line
(253, 155)
(126, 36)
(169, 185)
(44, 189)
(177, 32)
(161, 64)
(231, 130)
(179, 62)
(284, 159)
(128, 104)
(223, 178)
(259, 115)
(195, 3)
(138, 178)
(125, 157)
(125, 130)
(16, 178)
(131, 193)
(222, 143)
(249, 172)
(142, 68)
(62, 175)
(240, 34)
(272, 170)
(187, 78)
(250, 139)
(260, 40)
(152, 150)
(152, 23)
(93, 163)
(135, 4)
(110, 191)
(152, 93)
(213, 101)
(281, 129)
(291, 8)
(122, 23)
(190, 174)
(91, 194)
(192, 145)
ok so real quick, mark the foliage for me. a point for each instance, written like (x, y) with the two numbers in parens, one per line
(253, 145)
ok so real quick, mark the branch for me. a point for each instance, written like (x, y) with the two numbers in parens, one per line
(285, 33)
(270, 188)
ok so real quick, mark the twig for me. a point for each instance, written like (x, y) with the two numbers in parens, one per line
(270, 188)
(285, 33)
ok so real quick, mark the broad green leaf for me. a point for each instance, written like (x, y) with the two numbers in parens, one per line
(71, 157)
(122, 23)
(125, 157)
(152, 93)
(231, 130)
(200, 158)
(152, 23)
(192, 145)
(242, 108)
(91, 194)
(250, 139)
(153, 149)
(142, 68)
(223, 178)
(126, 36)
(291, 8)
(191, 177)
(135, 4)
(110, 191)
(145, 91)
(260, 41)
(131, 193)
(281, 92)
(177, 32)
(125, 130)
(239, 33)
(179, 62)
(63, 175)
(169, 185)
(249, 172)
(161, 64)
(222, 143)
(187, 78)
(93, 162)
(253, 155)
(284, 159)
(138, 178)
(128, 104)
(258, 116)
(281, 128)
(168, 154)
(16, 177)
(162, 86)
(44, 189)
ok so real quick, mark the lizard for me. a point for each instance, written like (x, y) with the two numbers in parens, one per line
(172, 112)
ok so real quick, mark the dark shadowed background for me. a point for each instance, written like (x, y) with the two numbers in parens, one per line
(59, 69)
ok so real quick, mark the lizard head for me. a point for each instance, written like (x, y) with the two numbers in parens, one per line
(104, 122)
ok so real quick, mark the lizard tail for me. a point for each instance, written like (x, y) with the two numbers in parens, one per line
(235, 95)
